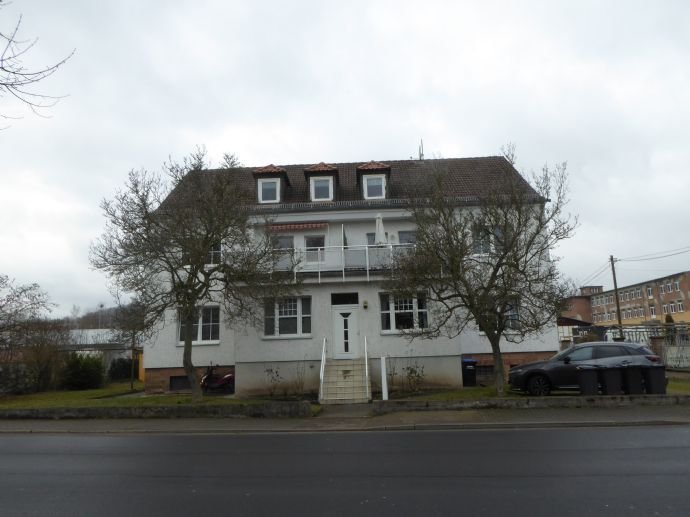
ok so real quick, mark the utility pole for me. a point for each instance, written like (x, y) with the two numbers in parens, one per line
(618, 303)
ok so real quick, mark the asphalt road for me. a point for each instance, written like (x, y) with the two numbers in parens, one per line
(627, 471)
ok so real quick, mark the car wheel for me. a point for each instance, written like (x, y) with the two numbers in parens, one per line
(538, 385)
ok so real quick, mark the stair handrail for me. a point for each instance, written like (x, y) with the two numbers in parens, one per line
(323, 369)
(366, 368)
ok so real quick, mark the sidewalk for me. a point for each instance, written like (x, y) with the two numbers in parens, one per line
(358, 418)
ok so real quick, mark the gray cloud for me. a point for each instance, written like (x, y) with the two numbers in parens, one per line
(602, 86)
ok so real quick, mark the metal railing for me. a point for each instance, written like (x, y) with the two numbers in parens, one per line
(366, 368)
(323, 369)
(333, 259)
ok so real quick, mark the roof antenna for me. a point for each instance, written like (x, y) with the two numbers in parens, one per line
(421, 149)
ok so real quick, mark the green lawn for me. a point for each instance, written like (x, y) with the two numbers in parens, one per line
(119, 395)
(678, 387)
(114, 395)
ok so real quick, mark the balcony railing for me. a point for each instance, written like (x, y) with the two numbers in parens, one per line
(340, 260)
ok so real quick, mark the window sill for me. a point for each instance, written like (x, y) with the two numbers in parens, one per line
(397, 332)
(286, 337)
(201, 343)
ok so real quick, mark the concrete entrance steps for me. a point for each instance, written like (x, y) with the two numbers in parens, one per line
(345, 382)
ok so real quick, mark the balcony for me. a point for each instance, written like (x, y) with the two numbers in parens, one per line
(340, 261)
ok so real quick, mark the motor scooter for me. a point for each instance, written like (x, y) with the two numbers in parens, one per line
(212, 382)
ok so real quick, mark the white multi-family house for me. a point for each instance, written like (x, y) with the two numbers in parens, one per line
(344, 222)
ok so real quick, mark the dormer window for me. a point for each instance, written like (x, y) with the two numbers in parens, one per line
(321, 188)
(374, 186)
(269, 190)
(270, 182)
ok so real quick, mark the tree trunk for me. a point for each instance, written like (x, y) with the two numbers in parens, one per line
(189, 369)
(499, 373)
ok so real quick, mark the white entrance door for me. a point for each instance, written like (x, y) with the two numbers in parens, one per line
(345, 332)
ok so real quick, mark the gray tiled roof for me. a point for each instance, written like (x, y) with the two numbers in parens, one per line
(464, 178)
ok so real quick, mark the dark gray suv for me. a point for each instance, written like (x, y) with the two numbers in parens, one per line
(560, 372)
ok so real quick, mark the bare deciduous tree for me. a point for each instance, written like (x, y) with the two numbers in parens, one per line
(19, 305)
(186, 242)
(486, 261)
(16, 79)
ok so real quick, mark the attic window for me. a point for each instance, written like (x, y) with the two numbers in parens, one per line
(321, 188)
(269, 190)
(375, 186)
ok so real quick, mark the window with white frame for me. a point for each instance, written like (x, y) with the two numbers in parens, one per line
(321, 188)
(680, 306)
(269, 190)
(652, 311)
(283, 246)
(407, 237)
(375, 186)
(403, 313)
(214, 254)
(668, 287)
(672, 307)
(664, 309)
(638, 293)
(649, 292)
(481, 240)
(511, 317)
(676, 285)
(206, 328)
(315, 245)
(287, 316)
(661, 289)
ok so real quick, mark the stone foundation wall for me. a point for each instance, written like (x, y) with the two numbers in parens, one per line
(157, 380)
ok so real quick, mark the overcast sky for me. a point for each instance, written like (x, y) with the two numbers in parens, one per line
(601, 85)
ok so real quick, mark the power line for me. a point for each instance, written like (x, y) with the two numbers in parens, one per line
(652, 256)
(592, 276)
(655, 258)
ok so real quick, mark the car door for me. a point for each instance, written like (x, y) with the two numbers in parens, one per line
(564, 373)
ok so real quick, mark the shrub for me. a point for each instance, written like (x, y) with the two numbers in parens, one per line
(82, 372)
(121, 369)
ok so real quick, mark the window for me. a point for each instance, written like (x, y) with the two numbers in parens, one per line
(649, 292)
(283, 246)
(652, 311)
(403, 313)
(664, 308)
(680, 306)
(375, 186)
(672, 307)
(322, 188)
(407, 237)
(284, 242)
(580, 354)
(269, 190)
(207, 327)
(371, 239)
(668, 287)
(315, 245)
(214, 254)
(287, 316)
(676, 285)
(604, 351)
(638, 293)
(511, 317)
(481, 240)
(661, 289)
